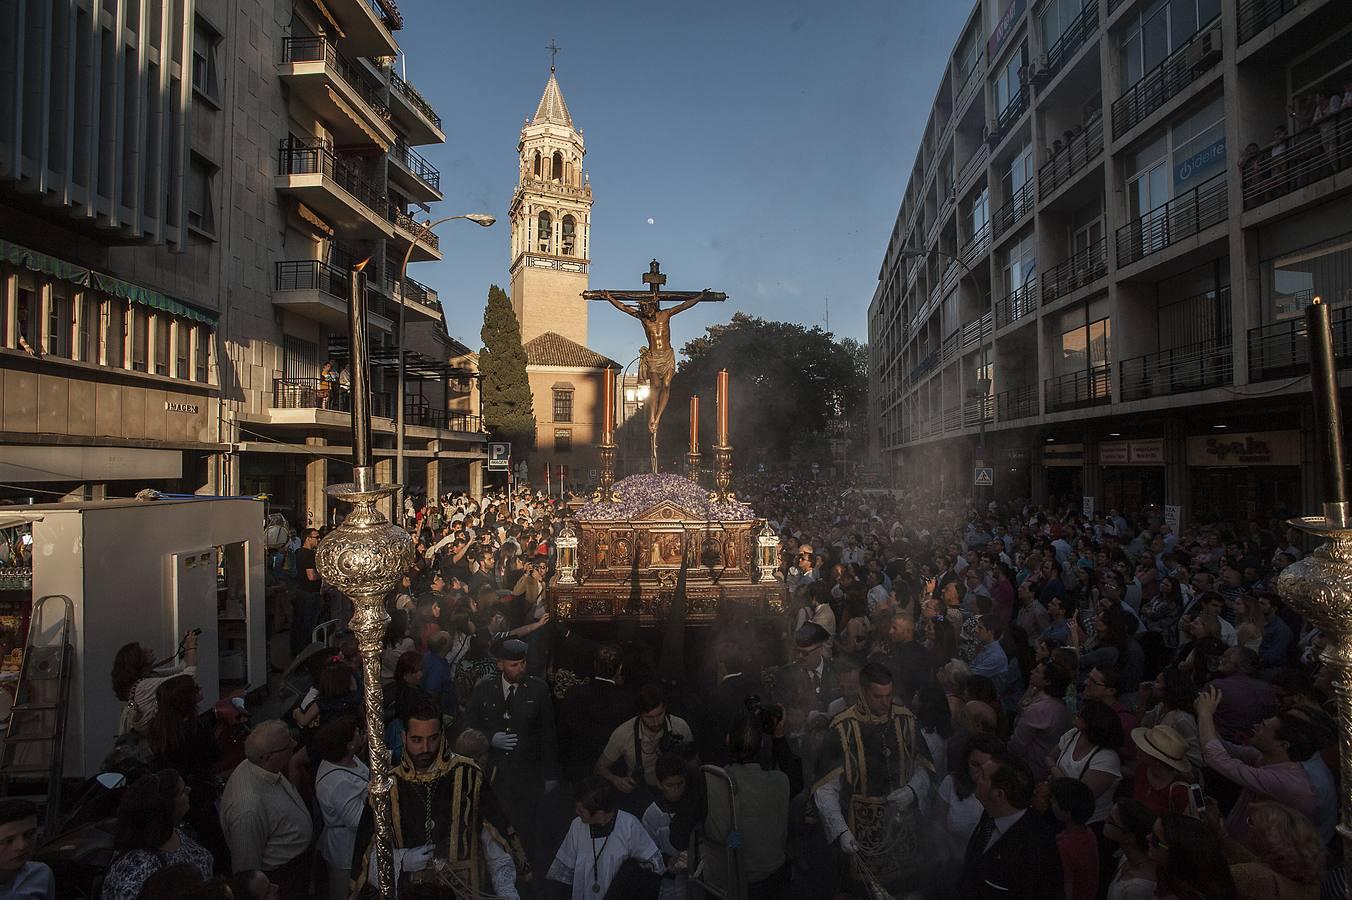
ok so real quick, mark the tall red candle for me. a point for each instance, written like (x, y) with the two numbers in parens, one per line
(608, 407)
(724, 398)
(694, 424)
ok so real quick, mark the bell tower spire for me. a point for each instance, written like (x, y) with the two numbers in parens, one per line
(551, 220)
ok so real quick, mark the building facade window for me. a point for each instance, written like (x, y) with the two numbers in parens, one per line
(563, 406)
(563, 440)
(206, 42)
(182, 348)
(201, 209)
(201, 353)
(91, 313)
(1009, 78)
(1292, 281)
(1057, 16)
(544, 231)
(569, 235)
(1157, 30)
(1086, 337)
(115, 334)
(163, 327)
(140, 338)
(60, 321)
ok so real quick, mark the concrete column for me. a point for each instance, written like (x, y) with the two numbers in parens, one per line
(1037, 472)
(476, 478)
(1311, 476)
(385, 475)
(316, 479)
(1177, 480)
(433, 486)
(1093, 472)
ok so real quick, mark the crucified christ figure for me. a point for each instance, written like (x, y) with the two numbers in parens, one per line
(657, 361)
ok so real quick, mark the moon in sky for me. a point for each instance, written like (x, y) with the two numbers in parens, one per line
(650, 221)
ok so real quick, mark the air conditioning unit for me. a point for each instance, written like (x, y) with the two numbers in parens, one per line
(1194, 55)
(1211, 42)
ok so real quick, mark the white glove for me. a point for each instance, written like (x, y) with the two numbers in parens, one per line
(848, 843)
(504, 740)
(901, 798)
(417, 859)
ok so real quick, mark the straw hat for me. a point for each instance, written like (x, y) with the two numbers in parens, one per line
(1164, 744)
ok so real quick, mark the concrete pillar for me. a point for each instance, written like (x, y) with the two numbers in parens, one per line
(476, 478)
(434, 477)
(385, 475)
(316, 479)
(1177, 480)
(1311, 476)
(1037, 471)
(1093, 472)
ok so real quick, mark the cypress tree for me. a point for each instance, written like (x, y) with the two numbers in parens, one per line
(509, 412)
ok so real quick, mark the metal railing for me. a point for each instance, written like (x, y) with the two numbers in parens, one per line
(1072, 39)
(1086, 266)
(421, 168)
(388, 13)
(974, 411)
(315, 49)
(1074, 157)
(317, 275)
(1178, 370)
(317, 393)
(418, 293)
(429, 417)
(1019, 205)
(970, 80)
(406, 221)
(978, 330)
(1282, 349)
(952, 418)
(976, 246)
(1073, 390)
(1182, 217)
(1300, 160)
(1255, 15)
(1016, 403)
(1178, 70)
(1005, 119)
(1018, 303)
(419, 102)
(316, 157)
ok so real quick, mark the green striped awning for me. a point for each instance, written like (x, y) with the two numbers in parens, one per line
(66, 271)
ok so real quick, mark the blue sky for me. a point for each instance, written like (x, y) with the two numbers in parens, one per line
(768, 142)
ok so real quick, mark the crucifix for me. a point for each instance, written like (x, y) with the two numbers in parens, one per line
(657, 361)
(553, 53)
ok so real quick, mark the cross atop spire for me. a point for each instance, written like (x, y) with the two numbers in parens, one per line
(553, 54)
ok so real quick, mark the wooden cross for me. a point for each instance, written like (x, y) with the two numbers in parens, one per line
(654, 279)
(553, 53)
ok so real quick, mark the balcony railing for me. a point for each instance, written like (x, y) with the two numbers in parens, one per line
(1019, 205)
(1072, 39)
(1073, 390)
(420, 167)
(411, 94)
(1299, 160)
(952, 418)
(1282, 349)
(429, 417)
(315, 49)
(418, 293)
(1017, 303)
(405, 221)
(316, 275)
(315, 157)
(1005, 119)
(1178, 370)
(1182, 217)
(976, 411)
(978, 330)
(316, 393)
(1075, 157)
(1178, 70)
(1086, 266)
(976, 245)
(1016, 403)
(1255, 15)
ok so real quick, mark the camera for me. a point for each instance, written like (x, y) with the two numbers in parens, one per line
(768, 717)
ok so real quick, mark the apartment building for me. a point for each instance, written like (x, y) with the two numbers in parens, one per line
(1094, 286)
(184, 186)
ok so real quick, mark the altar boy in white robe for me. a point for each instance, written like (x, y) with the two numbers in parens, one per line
(592, 858)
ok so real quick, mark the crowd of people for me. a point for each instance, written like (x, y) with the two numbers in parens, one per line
(957, 700)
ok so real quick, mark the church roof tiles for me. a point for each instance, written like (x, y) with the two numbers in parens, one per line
(552, 349)
(552, 109)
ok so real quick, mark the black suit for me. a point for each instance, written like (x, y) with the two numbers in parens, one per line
(588, 715)
(726, 700)
(795, 680)
(1022, 864)
(911, 667)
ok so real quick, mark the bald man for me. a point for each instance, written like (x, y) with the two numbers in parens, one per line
(267, 824)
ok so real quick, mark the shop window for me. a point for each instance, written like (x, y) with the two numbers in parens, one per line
(140, 338)
(115, 334)
(201, 353)
(563, 440)
(60, 322)
(87, 337)
(182, 347)
(27, 315)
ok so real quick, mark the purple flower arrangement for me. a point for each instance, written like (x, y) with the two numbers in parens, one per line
(640, 493)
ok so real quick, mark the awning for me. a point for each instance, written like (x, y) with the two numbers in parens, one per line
(348, 111)
(66, 271)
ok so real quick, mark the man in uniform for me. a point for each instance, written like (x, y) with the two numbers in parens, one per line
(811, 675)
(876, 786)
(448, 827)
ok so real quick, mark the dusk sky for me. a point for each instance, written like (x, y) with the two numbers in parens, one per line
(769, 144)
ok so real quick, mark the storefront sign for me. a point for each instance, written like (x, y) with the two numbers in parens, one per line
(1201, 165)
(1132, 453)
(1258, 448)
(1063, 455)
(175, 406)
(1114, 453)
(1004, 28)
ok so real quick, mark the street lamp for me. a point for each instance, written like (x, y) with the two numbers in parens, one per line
(482, 219)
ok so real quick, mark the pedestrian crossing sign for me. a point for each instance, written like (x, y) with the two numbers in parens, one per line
(985, 476)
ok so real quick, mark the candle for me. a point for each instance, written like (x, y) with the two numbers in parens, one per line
(694, 424)
(356, 362)
(608, 407)
(724, 397)
(1328, 416)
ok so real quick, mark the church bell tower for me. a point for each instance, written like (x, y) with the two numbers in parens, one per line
(551, 223)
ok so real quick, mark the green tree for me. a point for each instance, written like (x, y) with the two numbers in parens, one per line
(509, 412)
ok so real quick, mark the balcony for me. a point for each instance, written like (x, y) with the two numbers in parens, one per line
(1282, 349)
(1008, 117)
(427, 246)
(428, 417)
(977, 330)
(320, 291)
(1071, 40)
(1305, 158)
(333, 187)
(315, 393)
(325, 80)
(420, 121)
(1016, 403)
(416, 177)
(1182, 217)
(978, 412)
(1084, 267)
(1019, 205)
(1076, 390)
(1157, 87)
(976, 246)
(366, 26)
(1256, 15)
(1074, 158)
(417, 296)
(1179, 370)
(1017, 303)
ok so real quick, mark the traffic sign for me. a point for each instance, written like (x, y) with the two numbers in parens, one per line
(985, 476)
(499, 454)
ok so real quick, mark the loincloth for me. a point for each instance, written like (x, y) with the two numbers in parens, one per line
(656, 365)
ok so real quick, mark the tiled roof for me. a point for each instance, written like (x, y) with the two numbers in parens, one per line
(550, 349)
(552, 108)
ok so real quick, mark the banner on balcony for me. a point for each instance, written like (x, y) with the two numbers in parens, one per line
(1259, 448)
(1004, 28)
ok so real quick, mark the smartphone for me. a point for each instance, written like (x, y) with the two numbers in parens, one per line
(1198, 800)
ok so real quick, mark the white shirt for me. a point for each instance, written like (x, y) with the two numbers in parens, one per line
(1099, 759)
(341, 795)
(584, 860)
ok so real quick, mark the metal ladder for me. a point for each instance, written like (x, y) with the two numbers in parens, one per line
(33, 746)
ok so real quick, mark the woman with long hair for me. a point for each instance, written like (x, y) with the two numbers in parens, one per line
(1282, 857)
(1088, 752)
(135, 680)
(1168, 700)
(185, 741)
(148, 838)
(1127, 830)
(936, 725)
(1189, 864)
(1043, 718)
(1249, 622)
(957, 810)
